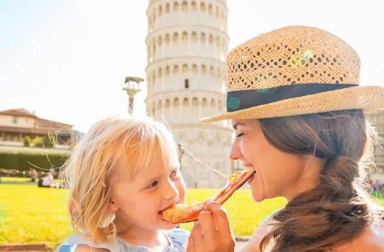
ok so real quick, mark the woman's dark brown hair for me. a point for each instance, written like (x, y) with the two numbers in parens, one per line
(338, 209)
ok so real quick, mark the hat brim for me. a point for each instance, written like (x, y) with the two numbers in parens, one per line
(368, 98)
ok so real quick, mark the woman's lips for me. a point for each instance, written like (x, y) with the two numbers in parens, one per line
(251, 179)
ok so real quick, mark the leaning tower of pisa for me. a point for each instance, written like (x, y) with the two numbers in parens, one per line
(187, 44)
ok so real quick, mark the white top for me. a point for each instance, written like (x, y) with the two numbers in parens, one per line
(260, 232)
(177, 238)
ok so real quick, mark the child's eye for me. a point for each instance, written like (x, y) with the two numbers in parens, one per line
(153, 184)
(240, 134)
(174, 173)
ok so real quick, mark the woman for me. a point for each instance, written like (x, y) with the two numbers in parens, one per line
(296, 108)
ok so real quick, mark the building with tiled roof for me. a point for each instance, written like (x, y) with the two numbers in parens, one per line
(16, 124)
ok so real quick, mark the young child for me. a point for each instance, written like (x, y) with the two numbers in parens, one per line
(122, 174)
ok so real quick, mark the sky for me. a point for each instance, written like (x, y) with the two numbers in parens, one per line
(66, 60)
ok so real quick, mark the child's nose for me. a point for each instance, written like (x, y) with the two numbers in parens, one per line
(170, 191)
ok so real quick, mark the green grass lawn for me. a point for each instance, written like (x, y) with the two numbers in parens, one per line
(29, 214)
(379, 198)
(15, 179)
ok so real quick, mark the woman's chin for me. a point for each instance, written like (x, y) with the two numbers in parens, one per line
(257, 197)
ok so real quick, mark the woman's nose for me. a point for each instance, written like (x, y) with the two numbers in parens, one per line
(234, 152)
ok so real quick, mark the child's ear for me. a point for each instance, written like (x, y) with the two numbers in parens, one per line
(113, 206)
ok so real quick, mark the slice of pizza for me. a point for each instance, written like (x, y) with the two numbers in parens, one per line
(181, 213)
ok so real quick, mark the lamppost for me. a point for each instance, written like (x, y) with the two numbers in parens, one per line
(132, 87)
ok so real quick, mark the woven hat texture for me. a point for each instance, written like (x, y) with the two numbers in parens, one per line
(295, 70)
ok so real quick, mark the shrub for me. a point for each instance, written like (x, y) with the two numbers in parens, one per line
(48, 142)
(27, 141)
(23, 160)
(38, 142)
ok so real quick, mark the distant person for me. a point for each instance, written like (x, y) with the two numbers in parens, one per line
(122, 174)
(46, 181)
(377, 186)
(53, 172)
(370, 186)
(296, 108)
(33, 174)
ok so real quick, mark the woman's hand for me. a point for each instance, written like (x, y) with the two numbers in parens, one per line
(212, 232)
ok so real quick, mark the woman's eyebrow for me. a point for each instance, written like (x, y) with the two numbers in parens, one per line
(234, 126)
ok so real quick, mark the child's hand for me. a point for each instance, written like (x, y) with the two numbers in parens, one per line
(212, 232)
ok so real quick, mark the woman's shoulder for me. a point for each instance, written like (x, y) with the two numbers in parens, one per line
(260, 232)
(371, 239)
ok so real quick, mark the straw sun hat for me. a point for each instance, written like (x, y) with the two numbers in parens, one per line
(292, 71)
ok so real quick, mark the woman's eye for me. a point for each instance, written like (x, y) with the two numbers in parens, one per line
(240, 134)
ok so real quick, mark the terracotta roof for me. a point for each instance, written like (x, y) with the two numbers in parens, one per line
(41, 123)
(18, 112)
(47, 124)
